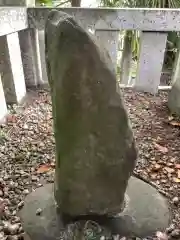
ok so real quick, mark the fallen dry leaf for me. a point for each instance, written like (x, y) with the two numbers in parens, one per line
(177, 166)
(156, 167)
(178, 173)
(161, 236)
(176, 180)
(170, 118)
(2, 206)
(44, 168)
(11, 118)
(169, 170)
(53, 164)
(161, 148)
(169, 164)
(153, 176)
(174, 123)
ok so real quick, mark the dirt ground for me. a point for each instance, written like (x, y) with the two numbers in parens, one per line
(27, 154)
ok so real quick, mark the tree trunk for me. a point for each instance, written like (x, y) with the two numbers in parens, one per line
(75, 3)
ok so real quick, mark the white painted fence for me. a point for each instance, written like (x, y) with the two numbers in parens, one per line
(22, 61)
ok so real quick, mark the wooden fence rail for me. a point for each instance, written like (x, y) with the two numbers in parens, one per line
(22, 60)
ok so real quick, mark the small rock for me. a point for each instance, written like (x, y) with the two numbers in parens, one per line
(50, 180)
(7, 202)
(38, 211)
(14, 201)
(169, 170)
(15, 237)
(11, 228)
(157, 167)
(34, 178)
(21, 204)
(17, 191)
(1, 235)
(7, 214)
(20, 229)
(170, 228)
(6, 177)
(39, 185)
(16, 219)
(1, 181)
(175, 200)
(26, 192)
(1, 193)
(25, 126)
(21, 237)
(102, 238)
(12, 185)
(6, 194)
(161, 236)
(14, 213)
(41, 144)
(175, 233)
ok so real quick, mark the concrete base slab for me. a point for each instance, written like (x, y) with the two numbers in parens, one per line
(146, 212)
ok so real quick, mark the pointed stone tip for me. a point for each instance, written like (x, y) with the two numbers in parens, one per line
(56, 16)
(64, 25)
(61, 20)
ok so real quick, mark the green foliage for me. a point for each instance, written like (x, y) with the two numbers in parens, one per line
(62, 2)
(45, 2)
(173, 37)
(111, 3)
(142, 3)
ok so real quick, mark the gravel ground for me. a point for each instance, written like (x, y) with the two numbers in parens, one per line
(27, 155)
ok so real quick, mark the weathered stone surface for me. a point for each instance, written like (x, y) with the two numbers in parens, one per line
(94, 142)
(109, 39)
(145, 213)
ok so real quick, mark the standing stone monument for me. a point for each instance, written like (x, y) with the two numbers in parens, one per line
(95, 148)
(94, 143)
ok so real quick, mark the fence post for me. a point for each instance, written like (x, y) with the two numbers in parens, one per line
(29, 43)
(11, 68)
(174, 95)
(110, 41)
(152, 48)
(42, 56)
(126, 60)
(3, 108)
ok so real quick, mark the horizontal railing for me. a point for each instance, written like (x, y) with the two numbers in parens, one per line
(22, 60)
(115, 19)
(12, 19)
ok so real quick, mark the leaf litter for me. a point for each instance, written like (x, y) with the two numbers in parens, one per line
(27, 150)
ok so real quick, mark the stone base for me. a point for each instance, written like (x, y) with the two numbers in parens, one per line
(145, 213)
